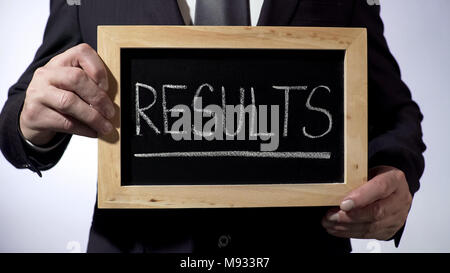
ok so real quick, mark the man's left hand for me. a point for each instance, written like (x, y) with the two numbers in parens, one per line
(375, 210)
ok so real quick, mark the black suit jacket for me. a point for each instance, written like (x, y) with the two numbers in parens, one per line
(395, 136)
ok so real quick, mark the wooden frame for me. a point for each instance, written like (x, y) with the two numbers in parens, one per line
(353, 40)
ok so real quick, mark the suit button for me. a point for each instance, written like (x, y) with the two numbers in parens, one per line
(224, 241)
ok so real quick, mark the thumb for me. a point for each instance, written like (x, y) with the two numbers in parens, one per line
(375, 189)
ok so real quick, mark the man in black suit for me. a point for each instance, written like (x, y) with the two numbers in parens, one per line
(64, 92)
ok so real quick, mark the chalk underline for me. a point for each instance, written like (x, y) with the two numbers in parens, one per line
(308, 155)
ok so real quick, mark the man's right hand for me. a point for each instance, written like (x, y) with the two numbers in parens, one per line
(68, 95)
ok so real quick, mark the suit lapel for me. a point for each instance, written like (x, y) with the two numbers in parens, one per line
(277, 13)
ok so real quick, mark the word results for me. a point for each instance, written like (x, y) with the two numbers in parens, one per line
(196, 120)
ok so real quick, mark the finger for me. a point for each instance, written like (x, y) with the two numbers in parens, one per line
(379, 187)
(76, 80)
(381, 230)
(70, 104)
(332, 214)
(50, 119)
(353, 228)
(373, 212)
(86, 57)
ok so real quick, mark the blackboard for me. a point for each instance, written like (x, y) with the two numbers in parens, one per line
(310, 130)
(220, 117)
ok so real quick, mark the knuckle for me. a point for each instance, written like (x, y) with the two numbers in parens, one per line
(383, 187)
(66, 101)
(68, 125)
(399, 175)
(40, 72)
(378, 212)
(31, 92)
(98, 73)
(99, 99)
(93, 118)
(30, 111)
(58, 60)
(83, 48)
(76, 76)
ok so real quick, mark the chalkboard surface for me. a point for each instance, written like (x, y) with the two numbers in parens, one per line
(165, 94)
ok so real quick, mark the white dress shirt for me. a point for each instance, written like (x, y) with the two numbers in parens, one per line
(187, 8)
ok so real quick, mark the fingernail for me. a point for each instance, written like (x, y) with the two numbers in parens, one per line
(347, 205)
(107, 127)
(334, 217)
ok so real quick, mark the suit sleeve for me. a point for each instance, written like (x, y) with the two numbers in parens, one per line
(395, 133)
(61, 33)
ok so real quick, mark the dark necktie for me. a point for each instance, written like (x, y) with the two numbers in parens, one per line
(222, 12)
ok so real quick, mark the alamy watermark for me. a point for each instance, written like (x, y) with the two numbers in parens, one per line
(73, 247)
(373, 2)
(73, 2)
(373, 246)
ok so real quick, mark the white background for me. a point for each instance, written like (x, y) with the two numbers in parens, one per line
(53, 213)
